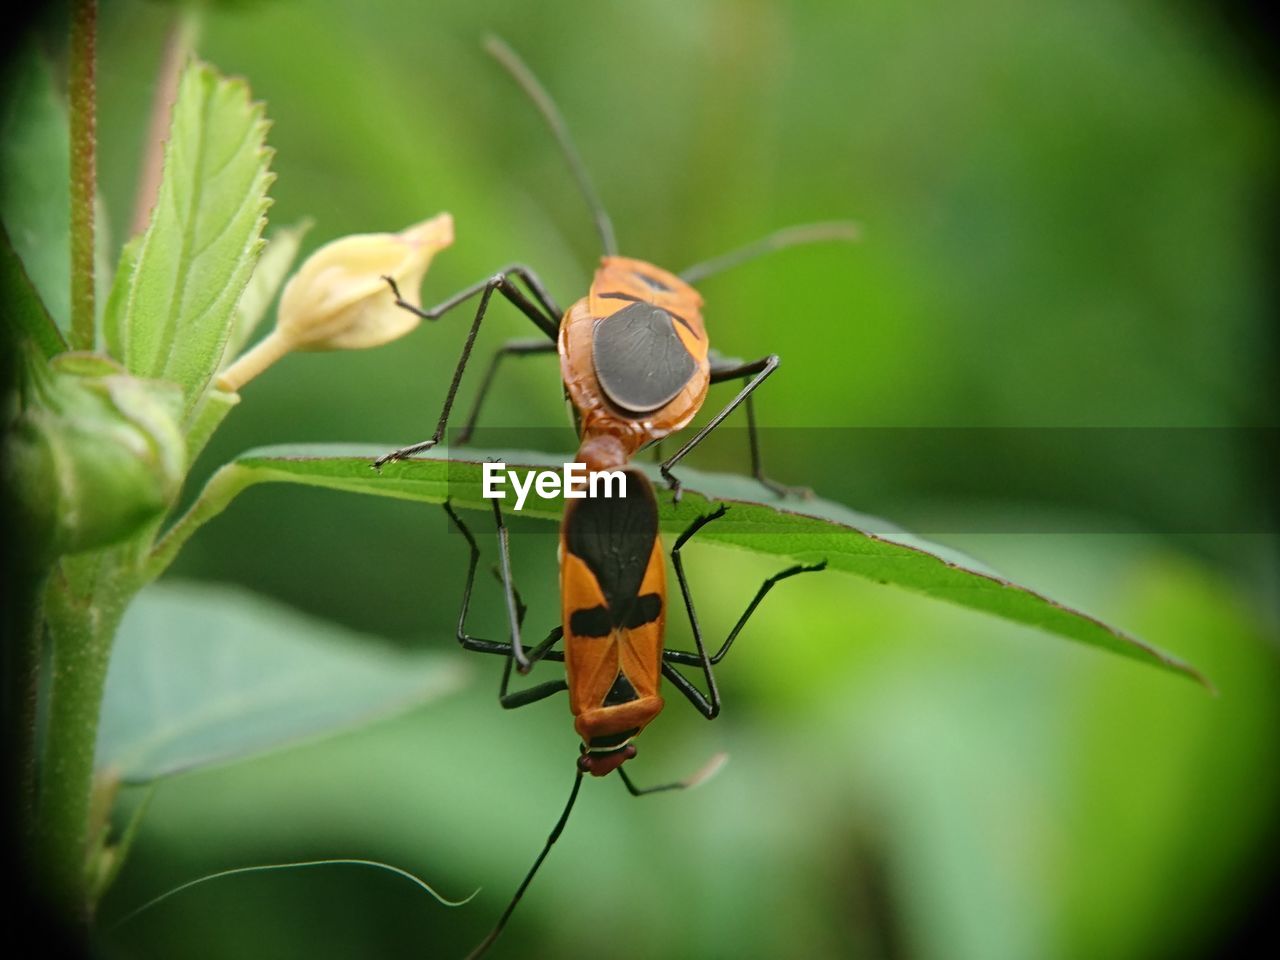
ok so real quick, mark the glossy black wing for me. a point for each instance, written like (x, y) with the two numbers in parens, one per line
(639, 359)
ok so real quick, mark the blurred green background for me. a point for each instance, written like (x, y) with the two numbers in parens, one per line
(1065, 217)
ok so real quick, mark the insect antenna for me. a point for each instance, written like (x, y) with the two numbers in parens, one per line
(555, 835)
(520, 72)
(779, 240)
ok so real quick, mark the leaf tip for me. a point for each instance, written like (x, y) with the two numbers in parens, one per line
(1192, 673)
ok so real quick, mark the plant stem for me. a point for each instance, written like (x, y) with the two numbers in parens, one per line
(82, 94)
(83, 606)
(263, 354)
(220, 490)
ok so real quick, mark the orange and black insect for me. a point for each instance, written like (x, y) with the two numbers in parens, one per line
(636, 366)
(634, 353)
(613, 621)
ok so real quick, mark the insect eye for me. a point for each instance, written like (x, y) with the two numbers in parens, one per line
(652, 283)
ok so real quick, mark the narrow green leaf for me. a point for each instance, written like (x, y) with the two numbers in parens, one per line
(24, 312)
(174, 298)
(203, 674)
(802, 530)
(117, 302)
(206, 419)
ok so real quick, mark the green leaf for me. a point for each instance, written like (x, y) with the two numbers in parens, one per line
(24, 310)
(208, 674)
(172, 306)
(34, 192)
(206, 419)
(269, 275)
(801, 530)
(113, 312)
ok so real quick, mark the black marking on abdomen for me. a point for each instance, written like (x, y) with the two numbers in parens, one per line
(598, 622)
(591, 622)
(621, 692)
(640, 362)
(642, 610)
(614, 538)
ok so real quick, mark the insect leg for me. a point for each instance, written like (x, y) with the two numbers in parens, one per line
(757, 467)
(541, 691)
(709, 769)
(480, 645)
(518, 348)
(758, 371)
(514, 616)
(487, 942)
(535, 285)
(545, 321)
(538, 289)
(692, 659)
(709, 704)
(709, 708)
(642, 791)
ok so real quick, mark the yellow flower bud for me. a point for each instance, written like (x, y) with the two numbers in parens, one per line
(339, 300)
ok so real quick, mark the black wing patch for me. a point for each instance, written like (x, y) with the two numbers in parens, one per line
(621, 692)
(600, 622)
(591, 622)
(614, 537)
(640, 362)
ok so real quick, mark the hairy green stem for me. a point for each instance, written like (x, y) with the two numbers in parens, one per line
(84, 603)
(221, 489)
(82, 94)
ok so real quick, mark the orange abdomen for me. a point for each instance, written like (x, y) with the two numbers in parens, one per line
(613, 609)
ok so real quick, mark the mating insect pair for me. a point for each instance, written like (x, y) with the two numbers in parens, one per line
(636, 365)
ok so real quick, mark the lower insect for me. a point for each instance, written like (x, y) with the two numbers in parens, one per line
(611, 635)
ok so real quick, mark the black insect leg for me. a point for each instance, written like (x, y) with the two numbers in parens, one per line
(540, 313)
(517, 348)
(538, 290)
(548, 306)
(643, 791)
(757, 466)
(539, 691)
(709, 704)
(509, 593)
(708, 770)
(758, 371)
(542, 652)
(558, 829)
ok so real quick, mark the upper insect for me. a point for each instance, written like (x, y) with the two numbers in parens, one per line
(634, 353)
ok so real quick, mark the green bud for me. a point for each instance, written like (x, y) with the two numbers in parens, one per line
(92, 453)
